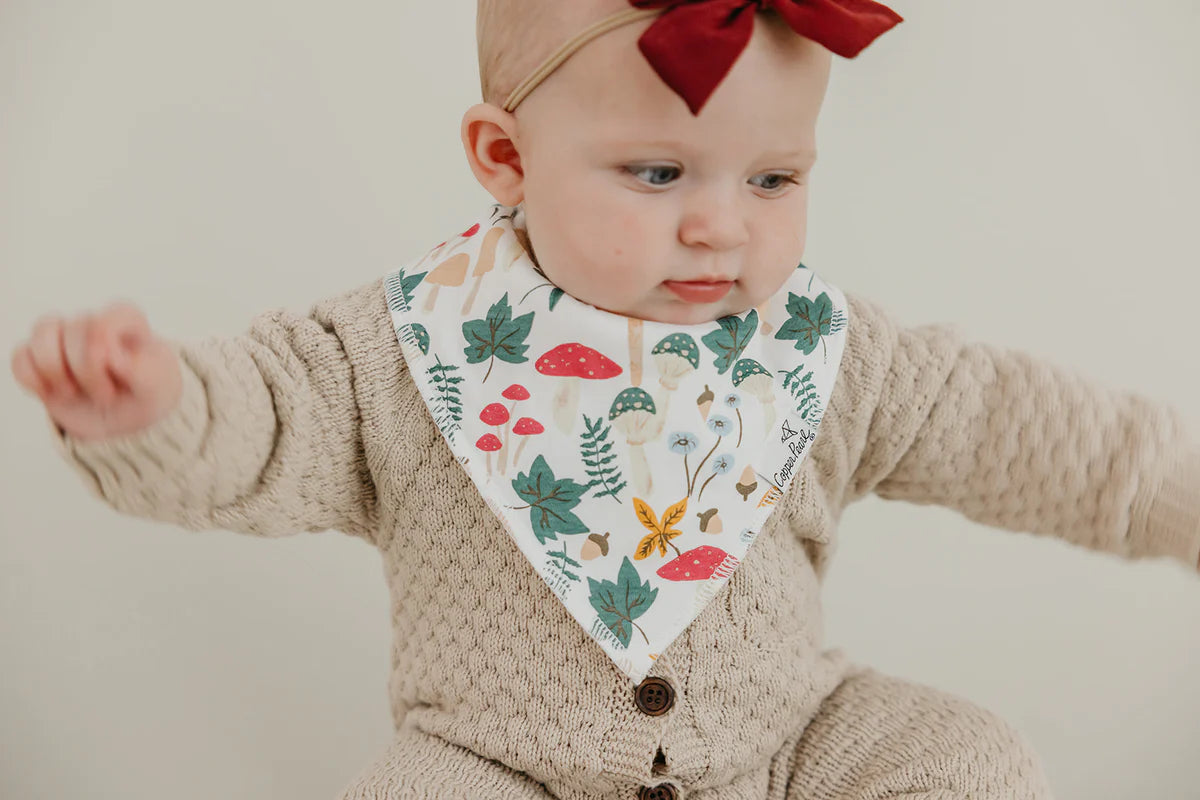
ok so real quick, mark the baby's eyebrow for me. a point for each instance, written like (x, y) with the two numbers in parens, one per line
(807, 155)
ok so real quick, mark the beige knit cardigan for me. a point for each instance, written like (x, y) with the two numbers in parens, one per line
(312, 422)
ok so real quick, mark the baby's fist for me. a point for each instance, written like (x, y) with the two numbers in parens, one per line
(100, 375)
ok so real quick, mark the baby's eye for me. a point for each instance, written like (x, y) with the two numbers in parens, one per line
(661, 171)
(783, 179)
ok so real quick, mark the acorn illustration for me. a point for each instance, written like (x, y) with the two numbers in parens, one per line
(710, 521)
(747, 483)
(595, 546)
(705, 401)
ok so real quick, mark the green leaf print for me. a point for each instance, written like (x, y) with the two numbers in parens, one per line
(550, 501)
(399, 287)
(422, 337)
(447, 411)
(804, 391)
(497, 335)
(598, 459)
(731, 339)
(565, 559)
(619, 604)
(809, 321)
(555, 295)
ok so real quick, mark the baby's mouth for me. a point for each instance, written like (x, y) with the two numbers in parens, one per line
(699, 291)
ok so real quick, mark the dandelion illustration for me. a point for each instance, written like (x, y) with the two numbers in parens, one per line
(721, 426)
(722, 466)
(682, 444)
(735, 402)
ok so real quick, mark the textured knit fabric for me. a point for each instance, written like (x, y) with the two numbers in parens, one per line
(311, 422)
(874, 737)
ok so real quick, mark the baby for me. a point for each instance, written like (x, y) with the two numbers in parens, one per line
(507, 417)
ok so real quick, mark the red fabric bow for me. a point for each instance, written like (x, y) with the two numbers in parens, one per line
(694, 43)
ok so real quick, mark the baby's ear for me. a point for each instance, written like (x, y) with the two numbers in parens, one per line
(487, 135)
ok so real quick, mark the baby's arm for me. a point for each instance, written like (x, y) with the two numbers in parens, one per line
(265, 436)
(1013, 441)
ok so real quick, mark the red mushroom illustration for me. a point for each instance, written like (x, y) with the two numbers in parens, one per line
(699, 564)
(573, 362)
(488, 443)
(495, 415)
(525, 428)
(516, 392)
(456, 241)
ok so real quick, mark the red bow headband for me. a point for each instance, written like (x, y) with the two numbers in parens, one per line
(695, 43)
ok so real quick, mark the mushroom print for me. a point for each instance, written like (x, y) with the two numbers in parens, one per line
(699, 564)
(516, 392)
(453, 243)
(635, 351)
(573, 362)
(451, 272)
(495, 415)
(488, 443)
(675, 356)
(633, 414)
(754, 379)
(767, 327)
(487, 260)
(525, 428)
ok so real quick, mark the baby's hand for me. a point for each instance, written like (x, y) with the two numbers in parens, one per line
(100, 375)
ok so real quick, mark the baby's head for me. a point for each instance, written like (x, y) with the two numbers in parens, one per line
(624, 189)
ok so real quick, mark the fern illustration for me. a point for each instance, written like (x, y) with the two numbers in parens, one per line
(598, 459)
(448, 411)
(805, 393)
(565, 559)
(399, 288)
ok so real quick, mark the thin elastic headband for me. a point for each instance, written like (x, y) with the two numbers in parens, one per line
(694, 43)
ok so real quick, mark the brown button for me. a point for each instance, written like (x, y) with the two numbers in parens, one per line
(664, 791)
(654, 696)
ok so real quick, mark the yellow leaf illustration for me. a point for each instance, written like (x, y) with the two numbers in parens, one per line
(646, 546)
(646, 515)
(674, 514)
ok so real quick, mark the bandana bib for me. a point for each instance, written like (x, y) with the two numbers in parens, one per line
(633, 462)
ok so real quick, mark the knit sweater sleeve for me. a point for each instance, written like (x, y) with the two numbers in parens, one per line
(266, 439)
(1016, 442)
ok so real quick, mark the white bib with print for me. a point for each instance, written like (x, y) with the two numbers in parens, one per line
(633, 462)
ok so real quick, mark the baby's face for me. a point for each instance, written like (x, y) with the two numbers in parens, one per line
(633, 204)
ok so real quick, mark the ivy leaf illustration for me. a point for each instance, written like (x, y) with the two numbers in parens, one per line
(497, 335)
(809, 321)
(731, 339)
(550, 501)
(619, 604)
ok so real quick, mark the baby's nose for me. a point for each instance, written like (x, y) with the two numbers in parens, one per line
(714, 219)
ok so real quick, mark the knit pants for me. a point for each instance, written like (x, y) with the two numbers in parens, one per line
(874, 737)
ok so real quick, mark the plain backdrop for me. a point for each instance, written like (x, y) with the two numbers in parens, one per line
(1025, 169)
